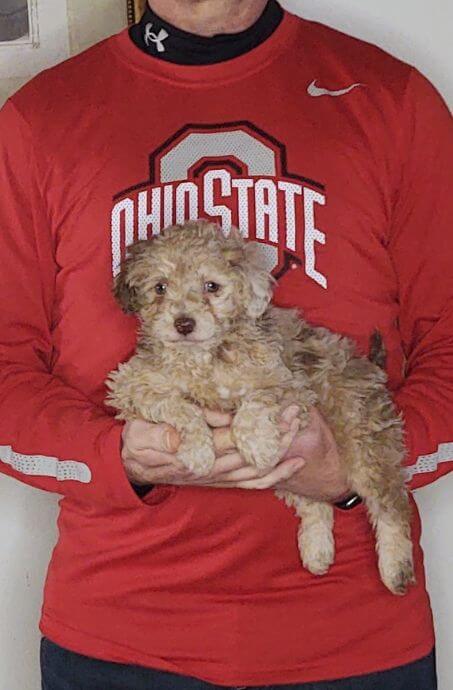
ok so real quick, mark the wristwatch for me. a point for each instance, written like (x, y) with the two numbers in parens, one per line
(348, 503)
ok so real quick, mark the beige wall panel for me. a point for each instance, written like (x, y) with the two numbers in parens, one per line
(9, 86)
(90, 22)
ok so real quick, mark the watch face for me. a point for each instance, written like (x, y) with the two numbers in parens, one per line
(349, 502)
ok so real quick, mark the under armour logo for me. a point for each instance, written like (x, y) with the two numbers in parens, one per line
(158, 39)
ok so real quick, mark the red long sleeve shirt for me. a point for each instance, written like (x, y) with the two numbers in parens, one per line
(337, 158)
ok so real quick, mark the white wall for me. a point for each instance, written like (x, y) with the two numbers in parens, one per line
(416, 30)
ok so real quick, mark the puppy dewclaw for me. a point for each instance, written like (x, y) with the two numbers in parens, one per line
(210, 338)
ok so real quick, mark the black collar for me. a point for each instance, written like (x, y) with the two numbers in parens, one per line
(160, 39)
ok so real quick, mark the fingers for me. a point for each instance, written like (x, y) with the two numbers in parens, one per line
(155, 458)
(163, 474)
(162, 437)
(223, 439)
(221, 425)
(139, 435)
(216, 418)
(227, 463)
(232, 477)
(283, 471)
(248, 477)
(290, 413)
(288, 416)
(149, 454)
(289, 437)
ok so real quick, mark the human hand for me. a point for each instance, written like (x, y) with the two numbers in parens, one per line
(148, 453)
(322, 477)
(230, 470)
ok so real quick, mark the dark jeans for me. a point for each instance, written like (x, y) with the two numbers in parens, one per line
(64, 670)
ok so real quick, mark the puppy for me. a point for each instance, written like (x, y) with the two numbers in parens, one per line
(210, 338)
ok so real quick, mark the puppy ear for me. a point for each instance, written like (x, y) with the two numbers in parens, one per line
(258, 279)
(124, 291)
(234, 247)
(127, 280)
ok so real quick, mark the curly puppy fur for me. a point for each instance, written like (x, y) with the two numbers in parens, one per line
(209, 337)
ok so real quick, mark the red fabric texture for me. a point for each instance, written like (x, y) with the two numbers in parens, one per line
(350, 197)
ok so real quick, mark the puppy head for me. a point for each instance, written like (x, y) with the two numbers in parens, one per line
(191, 284)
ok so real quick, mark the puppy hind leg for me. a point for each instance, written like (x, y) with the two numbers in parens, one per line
(393, 543)
(375, 472)
(385, 497)
(315, 534)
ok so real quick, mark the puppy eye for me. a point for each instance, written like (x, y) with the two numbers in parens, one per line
(210, 286)
(160, 288)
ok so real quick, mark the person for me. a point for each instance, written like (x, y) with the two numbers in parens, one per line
(336, 157)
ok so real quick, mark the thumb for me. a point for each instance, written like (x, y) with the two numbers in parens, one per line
(161, 437)
(223, 440)
(166, 438)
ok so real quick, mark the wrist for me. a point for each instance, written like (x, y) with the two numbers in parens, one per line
(343, 496)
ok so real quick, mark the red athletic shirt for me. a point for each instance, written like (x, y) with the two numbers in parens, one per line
(337, 157)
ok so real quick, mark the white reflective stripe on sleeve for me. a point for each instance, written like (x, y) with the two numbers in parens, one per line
(430, 463)
(44, 466)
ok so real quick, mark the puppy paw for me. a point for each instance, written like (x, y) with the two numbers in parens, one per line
(316, 548)
(199, 458)
(257, 437)
(397, 576)
(260, 452)
(395, 558)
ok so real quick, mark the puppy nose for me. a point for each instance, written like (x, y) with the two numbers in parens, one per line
(184, 325)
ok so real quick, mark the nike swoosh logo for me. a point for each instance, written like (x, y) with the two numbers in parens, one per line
(316, 91)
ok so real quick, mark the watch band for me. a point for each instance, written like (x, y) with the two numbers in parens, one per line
(348, 503)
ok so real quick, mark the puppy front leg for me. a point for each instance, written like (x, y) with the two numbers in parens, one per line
(315, 535)
(149, 397)
(196, 450)
(255, 429)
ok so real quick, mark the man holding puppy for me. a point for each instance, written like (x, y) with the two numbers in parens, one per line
(337, 158)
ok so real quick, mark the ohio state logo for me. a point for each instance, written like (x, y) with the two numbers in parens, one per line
(234, 174)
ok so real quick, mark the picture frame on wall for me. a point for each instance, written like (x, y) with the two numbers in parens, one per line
(33, 36)
(18, 23)
(135, 9)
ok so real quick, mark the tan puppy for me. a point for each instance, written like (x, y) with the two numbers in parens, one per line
(210, 338)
